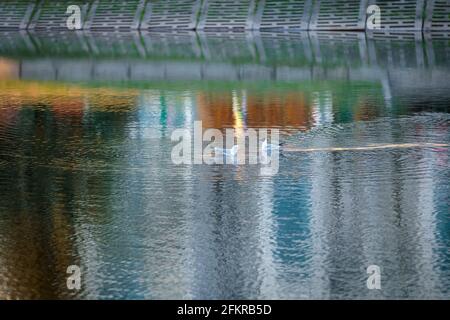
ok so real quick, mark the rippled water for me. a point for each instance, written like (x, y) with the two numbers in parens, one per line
(86, 178)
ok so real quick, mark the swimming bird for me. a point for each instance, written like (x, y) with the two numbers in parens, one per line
(269, 147)
(227, 152)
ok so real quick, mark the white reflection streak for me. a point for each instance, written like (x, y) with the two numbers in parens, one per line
(188, 110)
(426, 224)
(269, 283)
(322, 108)
(89, 254)
(319, 283)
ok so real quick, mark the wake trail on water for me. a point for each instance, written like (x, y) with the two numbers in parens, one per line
(369, 147)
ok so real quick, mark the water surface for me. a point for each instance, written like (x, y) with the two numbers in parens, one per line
(86, 176)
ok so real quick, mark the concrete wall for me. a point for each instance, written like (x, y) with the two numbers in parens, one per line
(229, 15)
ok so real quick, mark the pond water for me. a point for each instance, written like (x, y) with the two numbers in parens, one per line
(86, 175)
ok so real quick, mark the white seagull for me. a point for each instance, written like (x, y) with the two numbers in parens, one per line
(227, 152)
(269, 147)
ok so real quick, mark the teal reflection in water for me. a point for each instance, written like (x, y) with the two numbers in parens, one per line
(87, 179)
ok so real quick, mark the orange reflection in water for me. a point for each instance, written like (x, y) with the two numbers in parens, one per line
(64, 100)
(215, 109)
(272, 109)
(278, 109)
(9, 69)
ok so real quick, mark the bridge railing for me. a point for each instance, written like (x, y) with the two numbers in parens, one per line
(227, 15)
(16, 14)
